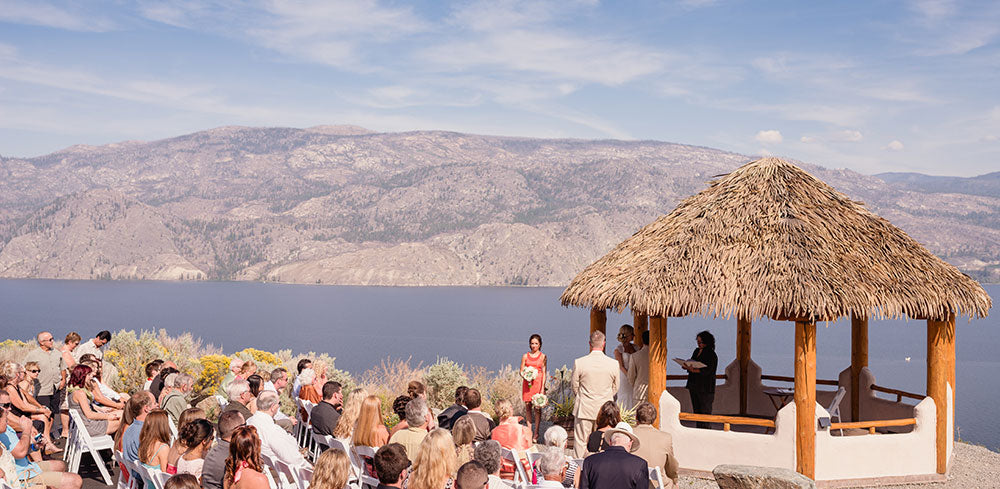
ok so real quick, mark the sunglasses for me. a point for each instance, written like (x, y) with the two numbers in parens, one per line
(4, 407)
(34, 371)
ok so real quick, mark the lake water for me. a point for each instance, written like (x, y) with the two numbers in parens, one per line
(486, 326)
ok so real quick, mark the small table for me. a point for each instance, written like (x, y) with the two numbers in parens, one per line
(779, 396)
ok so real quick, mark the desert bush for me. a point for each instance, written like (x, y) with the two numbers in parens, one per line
(16, 350)
(442, 379)
(494, 386)
(213, 368)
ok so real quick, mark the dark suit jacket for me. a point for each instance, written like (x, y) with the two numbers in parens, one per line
(614, 468)
(214, 468)
(324, 418)
(448, 417)
(236, 406)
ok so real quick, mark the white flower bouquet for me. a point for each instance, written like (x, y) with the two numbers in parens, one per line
(529, 374)
(539, 400)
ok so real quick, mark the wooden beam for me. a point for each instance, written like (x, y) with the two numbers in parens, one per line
(640, 322)
(743, 332)
(859, 360)
(598, 320)
(657, 362)
(805, 398)
(940, 370)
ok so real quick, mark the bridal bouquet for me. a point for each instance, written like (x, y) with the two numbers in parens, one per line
(529, 374)
(539, 400)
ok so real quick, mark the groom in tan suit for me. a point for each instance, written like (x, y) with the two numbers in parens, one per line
(595, 381)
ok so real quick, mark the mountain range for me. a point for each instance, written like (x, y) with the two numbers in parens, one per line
(344, 205)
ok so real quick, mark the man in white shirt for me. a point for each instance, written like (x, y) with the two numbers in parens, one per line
(276, 443)
(93, 346)
(552, 465)
(279, 380)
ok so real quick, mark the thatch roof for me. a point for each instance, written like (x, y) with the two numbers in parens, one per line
(770, 240)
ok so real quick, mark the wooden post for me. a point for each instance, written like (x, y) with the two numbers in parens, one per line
(743, 356)
(657, 362)
(598, 320)
(940, 370)
(640, 322)
(859, 360)
(805, 398)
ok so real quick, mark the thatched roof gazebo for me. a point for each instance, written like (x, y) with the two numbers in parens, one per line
(770, 240)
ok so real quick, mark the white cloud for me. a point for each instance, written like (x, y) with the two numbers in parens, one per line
(808, 139)
(894, 145)
(48, 15)
(764, 152)
(771, 136)
(847, 136)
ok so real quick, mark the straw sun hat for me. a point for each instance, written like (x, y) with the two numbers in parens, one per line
(624, 428)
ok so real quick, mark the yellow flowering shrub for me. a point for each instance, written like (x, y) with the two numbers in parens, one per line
(213, 369)
(260, 357)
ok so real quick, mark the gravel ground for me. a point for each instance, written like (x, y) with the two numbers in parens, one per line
(974, 467)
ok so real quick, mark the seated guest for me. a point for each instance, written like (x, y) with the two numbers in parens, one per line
(344, 430)
(243, 467)
(435, 462)
(391, 465)
(197, 436)
(416, 431)
(23, 403)
(326, 413)
(552, 465)
(488, 454)
(235, 365)
(369, 430)
(399, 408)
(182, 481)
(607, 417)
(175, 401)
(30, 384)
(133, 408)
(154, 442)
(333, 468)
(471, 475)
(178, 447)
(656, 446)
(156, 387)
(302, 365)
(556, 437)
(276, 442)
(213, 470)
(417, 389)
(102, 393)
(80, 396)
(152, 369)
(240, 398)
(448, 417)
(464, 433)
(256, 384)
(247, 369)
(308, 392)
(278, 381)
(511, 435)
(130, 438)
(51, 473)
(616, 467)
(483, 422)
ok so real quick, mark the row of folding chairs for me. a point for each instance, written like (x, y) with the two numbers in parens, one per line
(79, 441)
(303, 430)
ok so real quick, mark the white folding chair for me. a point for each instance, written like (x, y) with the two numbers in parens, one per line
(287, 476)
(834, 408)
(85, 443)
(520, 477)
(125, 479)
(306, 440)
(363, 454)
(173, 431)
(305, 475)
(159, 478)
(656, 475)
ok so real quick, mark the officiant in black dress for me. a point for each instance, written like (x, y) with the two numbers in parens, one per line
(701, 381)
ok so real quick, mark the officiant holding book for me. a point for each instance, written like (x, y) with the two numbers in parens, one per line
(701, 381)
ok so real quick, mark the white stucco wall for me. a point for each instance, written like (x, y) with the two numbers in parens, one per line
(863, 456)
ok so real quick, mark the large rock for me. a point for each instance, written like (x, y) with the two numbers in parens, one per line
(750, 477)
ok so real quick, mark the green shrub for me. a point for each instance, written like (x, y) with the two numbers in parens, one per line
(442, 379)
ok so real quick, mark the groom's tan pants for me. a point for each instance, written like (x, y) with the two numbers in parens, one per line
(582, 428)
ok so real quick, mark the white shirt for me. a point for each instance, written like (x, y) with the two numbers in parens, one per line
(275, 442)
(109, 392)
(495, 482)
(88, 347)
(548, 483)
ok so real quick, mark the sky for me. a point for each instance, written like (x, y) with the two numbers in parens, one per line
(872, 85)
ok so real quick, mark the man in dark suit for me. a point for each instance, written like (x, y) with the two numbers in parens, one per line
(391, 466)
(448, 417)
(616, 468)
(483, 422)
(326, 414)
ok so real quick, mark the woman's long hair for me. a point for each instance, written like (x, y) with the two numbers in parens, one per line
(332, 470)
(156, 428)
(78, 376)
(244, 446)
(609, 415)
(369, 419)
(464, 431)
(349, 418)
(708, 339)
(436, 461)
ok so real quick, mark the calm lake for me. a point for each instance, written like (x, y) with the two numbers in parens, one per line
(486, 326)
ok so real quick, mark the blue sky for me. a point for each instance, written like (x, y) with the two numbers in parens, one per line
(868, 85)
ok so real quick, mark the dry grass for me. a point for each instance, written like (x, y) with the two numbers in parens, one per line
(770, 240)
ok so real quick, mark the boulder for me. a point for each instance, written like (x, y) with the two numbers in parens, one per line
(750, 477)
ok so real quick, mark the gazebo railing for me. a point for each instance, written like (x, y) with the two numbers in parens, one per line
(871, 425)
(726, 421)
(782, 378)
(898, 393)
(684, 377)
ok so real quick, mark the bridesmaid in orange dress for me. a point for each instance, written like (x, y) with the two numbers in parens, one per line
(534, 358)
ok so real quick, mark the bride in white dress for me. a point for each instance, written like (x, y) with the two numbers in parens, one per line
(623, 352)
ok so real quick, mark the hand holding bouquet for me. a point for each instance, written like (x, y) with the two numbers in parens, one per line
(529, 374)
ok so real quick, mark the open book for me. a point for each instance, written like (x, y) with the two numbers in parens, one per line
(689, 363)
